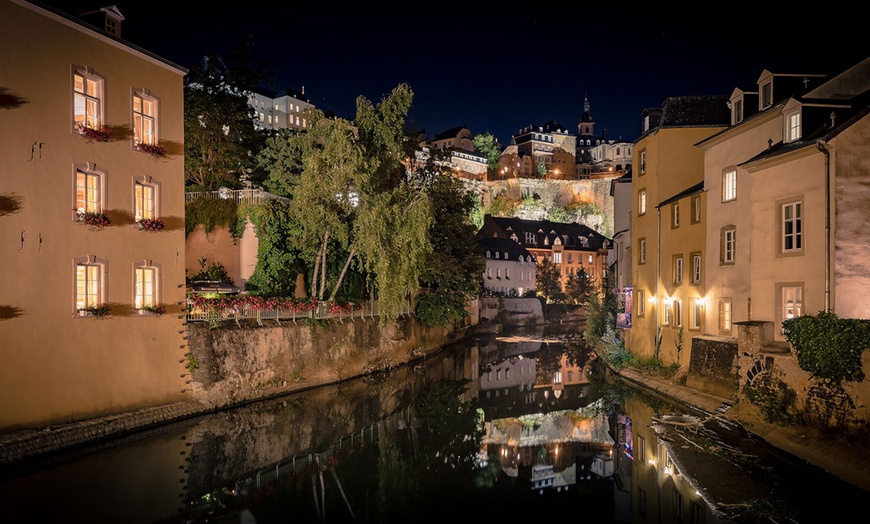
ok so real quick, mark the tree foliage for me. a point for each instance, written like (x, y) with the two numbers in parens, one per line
(829, 347)
(219, 137)
(578, 288)
(278, 262)
(548, 283)
(486, 143)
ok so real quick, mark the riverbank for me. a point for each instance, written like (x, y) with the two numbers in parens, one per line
(850, 462)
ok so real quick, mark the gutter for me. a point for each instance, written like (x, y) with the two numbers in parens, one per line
(821, 146)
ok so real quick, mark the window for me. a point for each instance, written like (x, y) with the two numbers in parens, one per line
(641, 302)
(678, 504)
(678, 270)
(666, 313)
(530, 238)
(791, 301)
(557, 258)
(570, 258)
(641, 448)
(498, 273)
(766, 95)
(678, 313)
(641, 256)
(144, 119)
(145, 284)
(643, 162)
(641, 501)
(696, 268)
(791, 227)
(90, 288)
(675, 214)
(696, 314)
(489, 272)
(737, 111)
(697, 513)
(696, 209)
(87, 99)
(727, 244)
(144, 200)
(725, 316)
(793, 126)
(590, 259)
(507, 273)
(89, 189)
(641, 202)
(497, 253)
(729, 185)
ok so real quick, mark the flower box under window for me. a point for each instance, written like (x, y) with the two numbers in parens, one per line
(155, 150)
(98, 311)
(155, 310)
(93, 219)
(93, 134)
(151, 224)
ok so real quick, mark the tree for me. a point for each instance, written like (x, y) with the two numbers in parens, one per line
(579, 287)
(219, 136)
(548, 277)
(487, 144)
(541, 168)
(278, 262)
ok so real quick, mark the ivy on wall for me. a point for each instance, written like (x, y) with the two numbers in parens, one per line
(829, 347)
(213, 213)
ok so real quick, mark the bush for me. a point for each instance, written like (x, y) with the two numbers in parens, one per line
(827, 346)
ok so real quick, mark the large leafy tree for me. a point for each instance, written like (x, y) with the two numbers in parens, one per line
(548, 280)
(219, 136)
(579, 287)
(487, 144)
(279, 263)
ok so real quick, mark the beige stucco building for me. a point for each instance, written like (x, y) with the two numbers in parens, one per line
(667, 226)
(64, 93)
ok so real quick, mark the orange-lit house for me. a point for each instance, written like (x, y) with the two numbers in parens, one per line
(92, 209)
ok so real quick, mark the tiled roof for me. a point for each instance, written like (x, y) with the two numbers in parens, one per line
(573, 236)
(502, 245)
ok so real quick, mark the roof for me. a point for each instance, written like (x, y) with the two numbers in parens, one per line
(697, 188)
(284, 91)
(453, 132)
(695, 111)
(502, 245)
(573, 236)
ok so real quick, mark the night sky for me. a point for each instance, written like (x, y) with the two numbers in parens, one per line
(497, 68)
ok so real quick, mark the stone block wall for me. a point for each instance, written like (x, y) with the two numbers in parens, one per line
(713, 366)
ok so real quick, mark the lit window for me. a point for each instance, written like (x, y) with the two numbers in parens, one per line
(90, 282)
(793, 123)
(725, 316)
(792, 227)
(145, 200)
(590, 259)
(144, 119)
(497, 254)
(641, 202)
(729, 185)
(88, 97)
(792, 302)
(696, 314)
(557, 258)
(666, 314)
(146, 285)
(89, 191)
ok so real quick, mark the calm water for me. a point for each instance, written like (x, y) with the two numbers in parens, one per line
(512, 427)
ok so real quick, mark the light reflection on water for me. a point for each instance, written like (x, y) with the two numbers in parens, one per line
(508, 427)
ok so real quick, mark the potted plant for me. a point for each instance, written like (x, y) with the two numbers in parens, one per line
(98, 311)
(94, 219)
(151, 224)
(93, 134)
(153, 309)
(155, 150)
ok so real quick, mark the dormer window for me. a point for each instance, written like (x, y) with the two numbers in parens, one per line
(737, 111)
(546, 241)
(792, 126)
(767, 95)
(505, 255)
(496, 254)
(487, 253)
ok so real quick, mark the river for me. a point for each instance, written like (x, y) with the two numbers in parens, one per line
(516, 426)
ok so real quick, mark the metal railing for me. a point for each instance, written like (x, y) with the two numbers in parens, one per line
(247, 196)
(323, 310)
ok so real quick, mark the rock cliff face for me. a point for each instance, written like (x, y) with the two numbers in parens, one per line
(233, 364)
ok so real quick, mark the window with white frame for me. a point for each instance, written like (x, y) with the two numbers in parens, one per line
(641, 302)
(89, 189)
(530, 238)
(144, 118)
(727, 244)
(792, 227)
(88, 95)
(643, 161)
(729, 185)
(696, 209)
(696, 268)
(766, 95)
(641, 202)
(90, 282)
(146, 279)
(507, 273)
(793, 126)
(145, 199)
(641, 257)
(737, 111)
(792, 301)
(675, 214)
(678, 270)
(557, 257)
(725, 315)
(666, 313)
(489, 272)
(678, 313)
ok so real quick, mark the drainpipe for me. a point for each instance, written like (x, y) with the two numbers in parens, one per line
(658, 262)
(827, 154)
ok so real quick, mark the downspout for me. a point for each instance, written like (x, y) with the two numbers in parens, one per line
(827, 154)
(658, 260)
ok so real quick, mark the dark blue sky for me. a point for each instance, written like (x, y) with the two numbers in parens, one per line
(497, 68)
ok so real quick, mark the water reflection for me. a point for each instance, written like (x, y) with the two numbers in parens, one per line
(518, 426)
